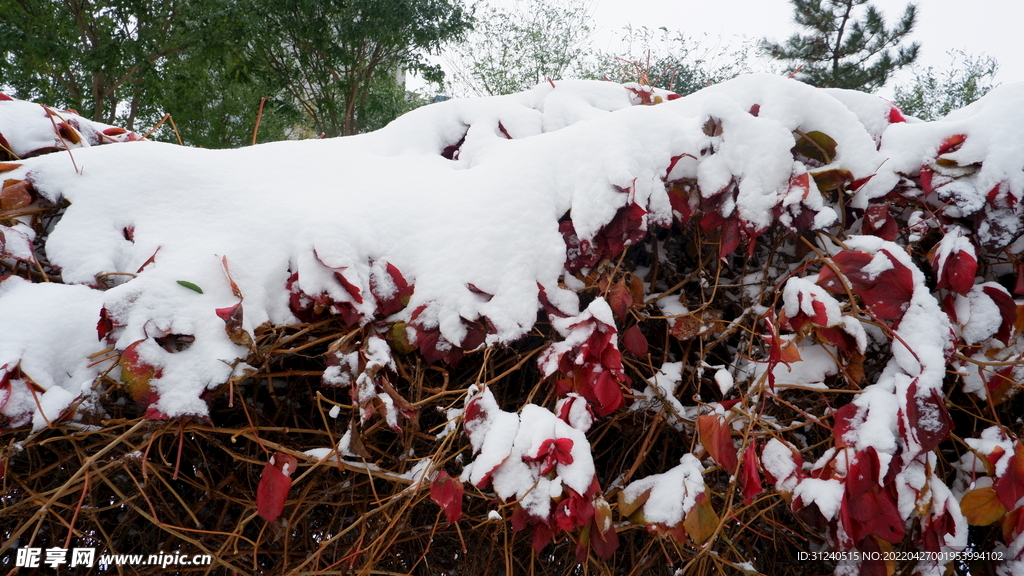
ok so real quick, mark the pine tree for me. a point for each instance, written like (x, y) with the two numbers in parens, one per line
(845, 47)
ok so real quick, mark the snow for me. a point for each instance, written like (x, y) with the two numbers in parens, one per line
(659, 396)
(507, 448)
(981, 317)
(49, 333)
(346, 206)
(993, 140)
(826, 494)
(724, 380)
(778, 460)
(671, 494)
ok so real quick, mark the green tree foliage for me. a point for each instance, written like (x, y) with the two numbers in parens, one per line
(327, 66)
(332, 56)
(845, 46)
(95, 57)
(670, 60)
(512, 50)
(934, 93)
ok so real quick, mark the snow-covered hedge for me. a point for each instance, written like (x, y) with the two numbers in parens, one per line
(807, 295)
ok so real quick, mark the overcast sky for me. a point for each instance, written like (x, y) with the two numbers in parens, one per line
(989, 27)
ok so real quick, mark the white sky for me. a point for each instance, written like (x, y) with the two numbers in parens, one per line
(990, 27)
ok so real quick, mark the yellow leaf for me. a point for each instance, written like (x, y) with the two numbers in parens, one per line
(627, 507)
(701, 521)
(982, 507)
(602, 515)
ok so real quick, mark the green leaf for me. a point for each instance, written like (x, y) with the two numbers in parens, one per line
(815, 145)
(190, 286)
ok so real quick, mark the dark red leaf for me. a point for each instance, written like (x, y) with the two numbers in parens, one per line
(863, 473)
(604, 545)
(634, 342)
(608, 394)
(751, 476)
(105, 325)
(878, 222)
(730, 237)
(929, 417)
(542, 534)
(447, 493)
(1007, 309)
(275, 482)
(620, 299)
(1010, 486)
(844, 420)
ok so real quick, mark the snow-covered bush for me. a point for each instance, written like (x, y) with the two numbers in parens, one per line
(653, 332)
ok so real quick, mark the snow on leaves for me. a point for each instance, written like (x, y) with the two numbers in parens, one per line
(544, 465)
(446, 257)
(369, 370)
(674, 502)
(588, 358)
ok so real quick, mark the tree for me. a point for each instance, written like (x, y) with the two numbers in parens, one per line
(332, 57)
(669, 60)
(513, 50)
(96, 57)
(935, 93)
(845, 47)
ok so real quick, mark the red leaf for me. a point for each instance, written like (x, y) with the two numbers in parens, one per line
(15, 194)
(447, 493)
(716, 438)
(135, 372)
(878, 222)
(274, 485)
(553, 451)
(604, 545)
(751, 476)
(105, 324)
(958, 272)
(875, 513)
(887, 294)
(843, 422)
(929, 417)
(863, 473)
(634, 342)
(896, 115)
(1007, 309)
(620, 299)
(1010, 486)
(951, 144)
(607, 393)
(730, 238)
(232, 317)
(542, 534)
